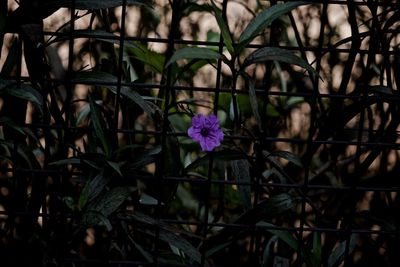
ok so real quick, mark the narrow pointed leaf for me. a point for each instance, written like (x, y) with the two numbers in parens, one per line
(142, 251)
(146, 199)
(253, 101)
(227, 154)
(241, 172)
(96, 186)
(110, 82)
(147, 157)
(99, 125)
(65, 162)
(338, 254)
(278, 54)
(224, 28)
(170, 236)
(288, 156)
(8, 122)
(316, 250)
(283, 235)
(11, 59)
(193, 53)
(115, 166)
(95, 218)
(181, 243)
(28, 93)
(112, 200)
(380, 90)
(138, 99)
(264, 19)
(267, 257)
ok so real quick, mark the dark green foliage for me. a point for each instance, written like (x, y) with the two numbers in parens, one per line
(97, 166)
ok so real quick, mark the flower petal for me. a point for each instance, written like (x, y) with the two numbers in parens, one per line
(194, 133)
(213, 121)
(206, 131)
(198, 121)
(207, 144)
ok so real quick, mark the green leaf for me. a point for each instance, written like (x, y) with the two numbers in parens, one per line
(264, 19)
(279, 203)
(253, 101)
(294, 101)
(289, 239)
(91, 190)
(97, 77)
(11, 59)
(145, 199)
(316, 251)
(139, 100)
(224, 28)
(95, 165)
(10, 123)
(95, 218)
(149, 156)
(150, 58)
(89, 4)
(266, 209)
(99, 125)
(337, 255)
(217, 248)
(288, 156)
(96, 186)
(267, 251)
(111, 200)
(65, 162)
(116, 166)
(84, 196)
(108, 79)
(169, 235)
(180, 243)
(193, 53)
(190, 7)
(227, 154)
(173, 165)
(26, 92)
(380, 90)
(133, 49)
(240, 170)
(278, 54)
(83, 114)
(283, 235)
(276, 165)
(142, 251)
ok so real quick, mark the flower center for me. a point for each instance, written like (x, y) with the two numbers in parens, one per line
(204, 132)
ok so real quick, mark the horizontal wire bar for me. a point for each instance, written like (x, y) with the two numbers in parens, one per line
(78, 35)
(122, 217)
(187, 178)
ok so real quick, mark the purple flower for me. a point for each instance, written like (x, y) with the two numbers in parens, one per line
(206, 130)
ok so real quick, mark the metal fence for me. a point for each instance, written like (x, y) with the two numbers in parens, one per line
(98, 167)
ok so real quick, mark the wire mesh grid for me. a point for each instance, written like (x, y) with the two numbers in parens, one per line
(98, 168)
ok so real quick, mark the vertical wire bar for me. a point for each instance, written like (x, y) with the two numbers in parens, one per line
(211, 160)
(313, 120)
(119, 72)
(353, 191)
(174, 28)
(67, 107)
(255, 240)
(14, 152)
